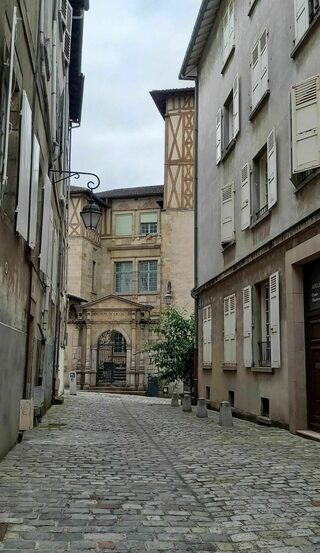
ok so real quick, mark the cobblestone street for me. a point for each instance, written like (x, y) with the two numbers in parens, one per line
(115, 473)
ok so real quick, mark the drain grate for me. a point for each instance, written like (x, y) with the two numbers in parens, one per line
(3, 529)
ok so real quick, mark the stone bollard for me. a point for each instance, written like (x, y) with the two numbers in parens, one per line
(175, 400)
(225, 415)
(186, 404)
(201, 411)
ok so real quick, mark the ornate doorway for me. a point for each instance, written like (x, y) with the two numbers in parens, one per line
(112, 359)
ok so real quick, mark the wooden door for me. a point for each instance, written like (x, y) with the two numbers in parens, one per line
(313, 371)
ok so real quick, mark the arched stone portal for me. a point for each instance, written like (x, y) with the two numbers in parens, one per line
(112, 359)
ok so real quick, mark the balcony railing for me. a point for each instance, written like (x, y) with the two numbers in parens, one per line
(264, 354)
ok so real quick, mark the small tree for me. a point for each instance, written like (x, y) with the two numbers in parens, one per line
(173, 354)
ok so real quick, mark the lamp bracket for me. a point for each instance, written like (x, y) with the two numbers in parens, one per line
(76, 175)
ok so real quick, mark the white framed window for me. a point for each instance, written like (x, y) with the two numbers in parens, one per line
(24, 168)
(123, 277)
(206, 335)
(247, 326)
(148, 223)
(267, 322)
(123, 223)
(305, 113)
(259, 69)
(148, 276)
(228, 121)
(228, 31)
(305, 12)
(227, 214)
(229, 305)
(264, 343)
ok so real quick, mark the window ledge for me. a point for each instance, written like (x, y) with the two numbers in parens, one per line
(206, 367)
(305, 38)
(268, 370)
(228, 149)
(226, 63)
(306, 181)
(262, 218)
(259, 105)
(155, 292)
(229, 367)
(227, 245)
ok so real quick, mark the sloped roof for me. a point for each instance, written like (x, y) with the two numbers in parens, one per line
(160, 96)
(135, 192)
(200, 34)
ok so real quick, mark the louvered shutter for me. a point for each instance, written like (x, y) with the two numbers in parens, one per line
(226, 333)
(263, 51)
(34, 193)
(207, 334)
(204, 335)
(274, 319)
(301, 12)
(218, 135)
(236, 106)
(45, 225)
(50, 250)
(232, 327)
(306, 124)
(255, 75)
(272, 169)
(247, 326)
(227, 214)
(245, 197)
(67, 33)
(24, 168)
(231, 26)
(225, 32)
(54, 278)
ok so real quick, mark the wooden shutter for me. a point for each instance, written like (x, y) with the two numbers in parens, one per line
(207, 334)
(245, 197)
(218, 135)
(274, 319)
(55, 255)
(226, 330)
(236, 106)
(45, 225)
(232, 327)
(227, 214)
(34, 193)
(263, 53)
(301, 13)
(231, 26)
(255, 75)
(305, 100)
(50, 249)
(272, 169)
(24, 168)
(247, 326)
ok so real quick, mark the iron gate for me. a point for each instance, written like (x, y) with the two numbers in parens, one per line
(111, 359)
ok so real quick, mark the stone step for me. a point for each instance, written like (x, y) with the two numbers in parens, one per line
(116, 390)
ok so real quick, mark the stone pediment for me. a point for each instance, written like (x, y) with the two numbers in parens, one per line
(113, 302)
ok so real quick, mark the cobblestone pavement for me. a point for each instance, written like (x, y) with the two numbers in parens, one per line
(132, 474)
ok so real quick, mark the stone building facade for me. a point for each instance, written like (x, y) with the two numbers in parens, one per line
(257, 72)
(38, 47)
(137, 263)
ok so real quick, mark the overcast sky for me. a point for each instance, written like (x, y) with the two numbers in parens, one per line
(129, 48)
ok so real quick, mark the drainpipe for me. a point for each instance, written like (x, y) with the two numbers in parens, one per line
(196, 301)
(7, 126)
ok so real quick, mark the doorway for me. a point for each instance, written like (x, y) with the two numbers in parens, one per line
(112, 359)
(312, 322)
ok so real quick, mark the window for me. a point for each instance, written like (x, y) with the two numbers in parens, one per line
(228, 31)
(206, 335)
(265, 340)
(265, 407)
(208, 393)
(259, 70)
(119, 343)
(148, 223)
(260, 183)
(231, 398)
(123, 224)
(148, 276)
(93, 277)
(230, 330)
(305, 112)
(228, 122)
(227, 214)
(123, 277)
(306, 12)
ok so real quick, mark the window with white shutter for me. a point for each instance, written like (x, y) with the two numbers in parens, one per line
(218, 136)
(272, 169)
(55, 259)
(34, 193)
(245, 197)
(247, 326)
(50, 250)
(228, 31)
(305, 109)
(259, 69)
(274, 319)
(301, 14)
(229, 304)
(227, 214)
(206, 335)
(45, 225)
(24, 168)
(236, 106)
